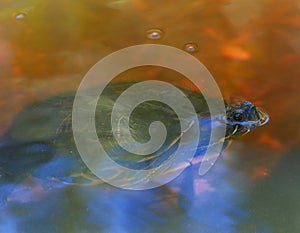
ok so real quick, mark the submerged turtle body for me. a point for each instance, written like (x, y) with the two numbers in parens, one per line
(40, 141)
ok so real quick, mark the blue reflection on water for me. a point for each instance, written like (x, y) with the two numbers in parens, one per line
(188, 204)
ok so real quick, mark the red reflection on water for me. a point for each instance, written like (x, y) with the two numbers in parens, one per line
(30, 190)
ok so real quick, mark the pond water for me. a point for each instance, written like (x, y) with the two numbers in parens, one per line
(252, 50)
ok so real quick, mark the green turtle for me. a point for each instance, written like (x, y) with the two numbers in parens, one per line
(40, 140)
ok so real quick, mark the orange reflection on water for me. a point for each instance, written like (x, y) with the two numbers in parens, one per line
(259, 172)
(271, 142)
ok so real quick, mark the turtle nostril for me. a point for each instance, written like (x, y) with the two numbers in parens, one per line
(246, 103)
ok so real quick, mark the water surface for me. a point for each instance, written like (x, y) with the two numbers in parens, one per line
(252, 50)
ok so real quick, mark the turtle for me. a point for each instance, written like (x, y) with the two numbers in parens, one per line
(40, 140)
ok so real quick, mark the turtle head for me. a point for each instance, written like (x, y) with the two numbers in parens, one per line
(243, 118)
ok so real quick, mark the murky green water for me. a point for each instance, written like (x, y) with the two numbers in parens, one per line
(252, 50)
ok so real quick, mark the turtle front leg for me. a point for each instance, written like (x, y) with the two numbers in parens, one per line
(83, 180)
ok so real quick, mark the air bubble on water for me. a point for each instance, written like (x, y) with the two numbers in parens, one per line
(191, 47)
(154, 34)
(20, 15)
(23, 12)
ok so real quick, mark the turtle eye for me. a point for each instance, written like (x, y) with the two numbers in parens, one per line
(238, 116)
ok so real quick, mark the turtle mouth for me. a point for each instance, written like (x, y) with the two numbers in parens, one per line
(263, 117)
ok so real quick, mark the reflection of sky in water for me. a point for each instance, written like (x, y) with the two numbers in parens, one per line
(224, 200)
(211, 204)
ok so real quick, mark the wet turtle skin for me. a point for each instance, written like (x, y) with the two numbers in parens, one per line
(40, 140)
